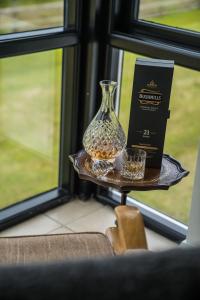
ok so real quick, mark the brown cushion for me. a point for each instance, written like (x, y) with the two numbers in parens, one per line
(26, 249)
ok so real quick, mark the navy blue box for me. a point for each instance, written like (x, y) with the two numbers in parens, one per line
(150, 107)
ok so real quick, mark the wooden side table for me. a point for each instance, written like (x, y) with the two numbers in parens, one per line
(170, 174)
(129, 232)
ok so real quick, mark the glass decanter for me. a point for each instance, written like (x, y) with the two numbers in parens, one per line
(104, 139)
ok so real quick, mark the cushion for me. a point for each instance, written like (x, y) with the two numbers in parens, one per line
(43, 248)
(170, 275)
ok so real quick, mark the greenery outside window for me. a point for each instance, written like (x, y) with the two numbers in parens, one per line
(182, 14)
(24, 15)
(59, 59)
(37, 54)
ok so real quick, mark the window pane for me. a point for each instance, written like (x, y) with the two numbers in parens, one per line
(23, 15)
(30, 88)
(181, 140)
(177, 13)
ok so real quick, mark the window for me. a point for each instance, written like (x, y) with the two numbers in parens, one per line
(30, 124)
(50, 65)
(181, 14)
(37, 87)
(143, 33)
(24, 15)
(182, 136)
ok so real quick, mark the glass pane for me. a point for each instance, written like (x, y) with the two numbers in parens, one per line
(181, 140)
(177, 13)
(30, 88)
(23, 15)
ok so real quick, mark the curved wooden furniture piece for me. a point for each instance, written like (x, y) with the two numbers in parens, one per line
(129, 232)
(170, 174)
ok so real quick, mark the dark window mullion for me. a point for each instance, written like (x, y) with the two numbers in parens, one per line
(132, 26)
(135, 9)
(167, 33)
(185, 57)
(69, 120)
(28, 34)
(71, 14)
(32, 206)
(69, 100)
(65, 14)
(23, 44)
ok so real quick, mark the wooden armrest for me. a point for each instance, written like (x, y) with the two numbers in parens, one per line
(129, 233)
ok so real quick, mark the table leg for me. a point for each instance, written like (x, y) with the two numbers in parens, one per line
(129, 232)
(123, 198)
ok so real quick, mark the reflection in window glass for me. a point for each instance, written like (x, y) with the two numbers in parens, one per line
(23, 15)
(182, 136)
(177, 13)
(30, 88)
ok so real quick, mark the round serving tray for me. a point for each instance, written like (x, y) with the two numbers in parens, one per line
(171, 173)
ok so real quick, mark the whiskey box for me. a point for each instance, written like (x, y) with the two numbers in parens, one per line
(150, 107)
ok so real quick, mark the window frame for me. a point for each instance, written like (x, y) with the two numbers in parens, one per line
(158, 41)
(151, 39)
(92, 51)
(83, 41)
(153, 219)
(35, 41)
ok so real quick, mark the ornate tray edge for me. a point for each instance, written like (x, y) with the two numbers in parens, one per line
(183, 173)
